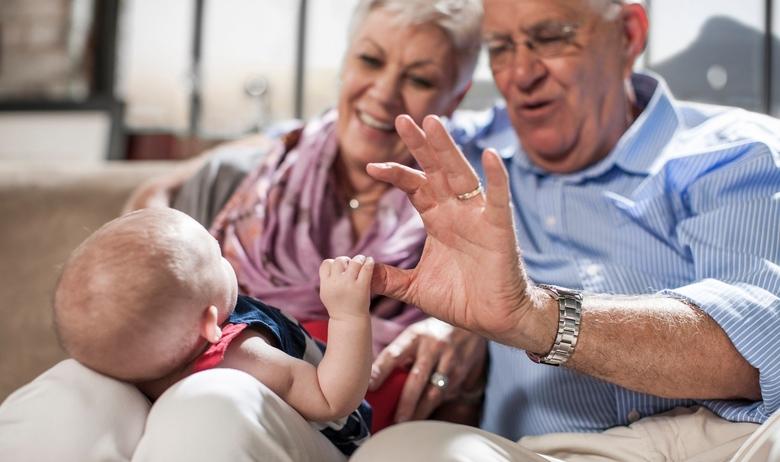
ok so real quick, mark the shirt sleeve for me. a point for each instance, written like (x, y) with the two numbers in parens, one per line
(205, 193)
(730, 229)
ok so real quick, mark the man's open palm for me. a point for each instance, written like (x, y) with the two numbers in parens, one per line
(470, 273)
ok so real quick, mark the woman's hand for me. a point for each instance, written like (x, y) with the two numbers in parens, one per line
(160, 190)
(430, 346)
(155, 192)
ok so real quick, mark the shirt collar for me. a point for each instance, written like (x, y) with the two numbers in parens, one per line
(640, 146)
(636, 151)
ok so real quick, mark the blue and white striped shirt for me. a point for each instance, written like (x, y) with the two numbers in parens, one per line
(687, 203)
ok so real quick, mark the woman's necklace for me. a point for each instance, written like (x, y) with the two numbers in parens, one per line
(354, 203)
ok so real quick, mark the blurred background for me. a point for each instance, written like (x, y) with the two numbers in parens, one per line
(86, 80)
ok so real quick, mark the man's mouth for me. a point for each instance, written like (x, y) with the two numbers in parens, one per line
(536, 109)
(535, 105)
(374, 122)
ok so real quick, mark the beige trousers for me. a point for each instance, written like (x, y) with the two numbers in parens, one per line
(685, 435)
(71, 413)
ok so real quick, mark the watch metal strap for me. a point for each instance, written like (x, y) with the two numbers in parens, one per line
(569, 315)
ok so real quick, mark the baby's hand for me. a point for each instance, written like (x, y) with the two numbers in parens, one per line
(345, 285)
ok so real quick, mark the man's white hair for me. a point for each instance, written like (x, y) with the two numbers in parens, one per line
(461, 20)
(605, 7)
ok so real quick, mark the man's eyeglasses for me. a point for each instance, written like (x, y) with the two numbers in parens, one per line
(546, 40)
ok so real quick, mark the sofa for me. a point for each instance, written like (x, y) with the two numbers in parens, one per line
(46, 210)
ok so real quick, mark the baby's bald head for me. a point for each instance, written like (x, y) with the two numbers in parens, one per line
(130, 296)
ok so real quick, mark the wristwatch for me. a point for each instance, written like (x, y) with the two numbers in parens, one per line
(569, 314)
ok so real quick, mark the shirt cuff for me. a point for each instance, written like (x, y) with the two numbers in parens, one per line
(750, 317)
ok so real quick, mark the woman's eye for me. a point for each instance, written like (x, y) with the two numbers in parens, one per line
(369, 60)
(421, 82)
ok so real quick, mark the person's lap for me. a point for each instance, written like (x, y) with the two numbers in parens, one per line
(73, 413)
(226, 414)
(692, 435)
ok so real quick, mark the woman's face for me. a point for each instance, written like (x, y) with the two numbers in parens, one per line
(391, 70)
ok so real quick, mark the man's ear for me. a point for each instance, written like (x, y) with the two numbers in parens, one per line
(458, 99)
(209, 325)
(635, 30)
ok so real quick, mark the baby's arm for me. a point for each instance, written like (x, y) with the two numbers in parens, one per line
(336, 387)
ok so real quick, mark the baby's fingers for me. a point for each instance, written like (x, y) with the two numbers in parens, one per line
(366, 271)
(325, 268)
(353, 269)
(340, 265)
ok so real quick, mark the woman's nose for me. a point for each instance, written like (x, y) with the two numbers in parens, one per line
(386, 88)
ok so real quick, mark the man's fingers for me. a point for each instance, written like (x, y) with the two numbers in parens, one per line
(392, 282)
(402, 177)
(459, 173)
(412, 182)
(498, 195)
(420, 146)
(414, 139)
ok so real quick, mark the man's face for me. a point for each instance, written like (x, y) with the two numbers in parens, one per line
(562, 67)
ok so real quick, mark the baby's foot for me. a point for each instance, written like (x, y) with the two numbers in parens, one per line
(345, 285)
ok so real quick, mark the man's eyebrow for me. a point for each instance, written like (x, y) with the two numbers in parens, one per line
(541, 25)
(495, 36)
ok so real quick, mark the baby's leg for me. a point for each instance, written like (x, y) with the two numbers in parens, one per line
(226, 414)
(72, 413)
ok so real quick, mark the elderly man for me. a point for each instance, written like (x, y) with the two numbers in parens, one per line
(616, 188)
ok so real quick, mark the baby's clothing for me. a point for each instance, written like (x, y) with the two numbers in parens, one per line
(346, 433)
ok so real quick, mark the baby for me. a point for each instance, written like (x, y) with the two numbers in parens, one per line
(149, 299)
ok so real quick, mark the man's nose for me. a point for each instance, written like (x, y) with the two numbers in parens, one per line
(527, 69)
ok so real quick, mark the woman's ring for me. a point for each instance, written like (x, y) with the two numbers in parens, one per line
(466, 196)
(439, 380)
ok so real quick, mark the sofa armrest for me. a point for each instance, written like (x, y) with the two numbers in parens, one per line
(45, 212)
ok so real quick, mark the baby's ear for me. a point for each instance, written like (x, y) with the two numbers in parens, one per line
(209, 325)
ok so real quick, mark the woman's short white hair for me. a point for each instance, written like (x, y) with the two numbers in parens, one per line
(461, 20)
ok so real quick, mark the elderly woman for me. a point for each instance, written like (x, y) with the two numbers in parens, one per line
(307, 197)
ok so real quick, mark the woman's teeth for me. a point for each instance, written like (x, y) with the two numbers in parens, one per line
(374, 123)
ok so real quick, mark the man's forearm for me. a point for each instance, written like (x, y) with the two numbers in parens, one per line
(653, 344)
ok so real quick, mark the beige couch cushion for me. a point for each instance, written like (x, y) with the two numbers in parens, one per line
(45, 212)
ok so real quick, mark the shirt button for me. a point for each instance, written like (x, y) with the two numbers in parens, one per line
(550, 221)
(593, 270)
(633, 416)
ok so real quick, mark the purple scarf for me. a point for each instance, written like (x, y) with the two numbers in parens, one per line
(287, 216)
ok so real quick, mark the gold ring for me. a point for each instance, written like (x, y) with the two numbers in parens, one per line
(466, 196)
